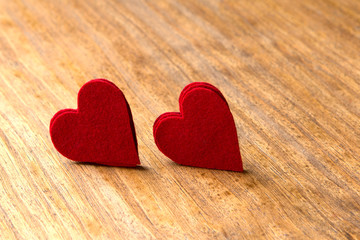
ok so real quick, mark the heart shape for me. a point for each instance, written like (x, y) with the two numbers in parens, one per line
(100, 131)
(203, 133)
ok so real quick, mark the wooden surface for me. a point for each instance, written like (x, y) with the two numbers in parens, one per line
(290, 71)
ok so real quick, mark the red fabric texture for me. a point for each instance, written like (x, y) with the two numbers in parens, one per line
(100, 131)
(203, 133)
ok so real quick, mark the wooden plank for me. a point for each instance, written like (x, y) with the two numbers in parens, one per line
(290, 71)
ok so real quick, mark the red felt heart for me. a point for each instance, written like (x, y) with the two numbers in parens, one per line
(203, 134)
(100, 131)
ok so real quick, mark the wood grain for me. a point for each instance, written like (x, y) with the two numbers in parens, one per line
(290, 71)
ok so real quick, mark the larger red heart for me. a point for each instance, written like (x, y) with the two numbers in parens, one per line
(203, 133)
(100, 131)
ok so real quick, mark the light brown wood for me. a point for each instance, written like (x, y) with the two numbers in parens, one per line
(290, 71)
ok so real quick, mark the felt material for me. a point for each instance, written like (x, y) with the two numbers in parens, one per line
(100, 131)
(203, 134)
(163, 116)
(183, 93)
(199, 84)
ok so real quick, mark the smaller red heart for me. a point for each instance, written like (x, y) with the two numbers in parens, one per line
(203, 133)
(100, 131)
